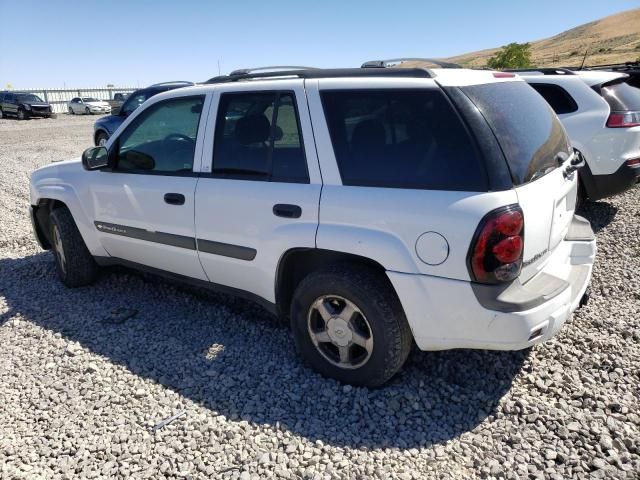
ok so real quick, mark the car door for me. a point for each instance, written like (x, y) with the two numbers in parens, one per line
(11, 103)
(73, 105)
(259, 191)
(143, 207)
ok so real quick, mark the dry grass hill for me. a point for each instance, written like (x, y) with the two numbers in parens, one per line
(612, 39)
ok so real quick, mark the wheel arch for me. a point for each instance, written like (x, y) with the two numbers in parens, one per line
(295, 264)
(98, 131)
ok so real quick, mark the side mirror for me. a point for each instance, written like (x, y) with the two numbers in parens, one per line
(94, 158)
(115, 110)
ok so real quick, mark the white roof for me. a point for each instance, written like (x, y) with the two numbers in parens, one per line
(460, 77)
(592, 77)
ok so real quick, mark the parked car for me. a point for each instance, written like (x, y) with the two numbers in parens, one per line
(23, 105)
(601, 113)
(106, 126)
(88, 106)
(630, 68)
(372, 207)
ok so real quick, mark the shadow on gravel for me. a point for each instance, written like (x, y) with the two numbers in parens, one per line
(600, 214)
(237, 361)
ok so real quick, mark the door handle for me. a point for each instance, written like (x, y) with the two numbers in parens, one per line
(174, 198)
(287, 211)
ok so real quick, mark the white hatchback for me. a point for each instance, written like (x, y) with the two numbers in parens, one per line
(601, 113)
(373, 208)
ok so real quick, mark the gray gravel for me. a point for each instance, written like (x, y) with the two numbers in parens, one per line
(85, 374)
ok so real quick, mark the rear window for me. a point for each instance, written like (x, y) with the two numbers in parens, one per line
(621, 96)
(528, 131)
(401, 139)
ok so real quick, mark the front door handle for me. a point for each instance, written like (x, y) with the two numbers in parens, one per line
(287, 211)
(174, 198)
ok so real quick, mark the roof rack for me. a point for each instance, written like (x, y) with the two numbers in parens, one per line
(544, 71)
(325, 73)
(614, 66)
(385, 63)
(244, 71)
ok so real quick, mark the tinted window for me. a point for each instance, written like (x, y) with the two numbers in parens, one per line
(134, 102)
(528, 131)
(258, 138)
(162, 138)
(401, 139)
(557, 97)
(621, 96)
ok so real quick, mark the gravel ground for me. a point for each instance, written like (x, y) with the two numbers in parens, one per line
(85, 373)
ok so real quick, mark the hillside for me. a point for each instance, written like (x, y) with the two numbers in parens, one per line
(612, 39)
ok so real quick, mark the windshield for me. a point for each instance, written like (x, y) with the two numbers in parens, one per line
(89, 99)
(528, 131)
(29, 97)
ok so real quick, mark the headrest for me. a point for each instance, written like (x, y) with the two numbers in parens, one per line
(252, 129)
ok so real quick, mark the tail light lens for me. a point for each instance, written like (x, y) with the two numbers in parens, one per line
(495, 255)
(623, 119)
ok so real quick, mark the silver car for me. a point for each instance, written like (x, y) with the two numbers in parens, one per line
(88, 105)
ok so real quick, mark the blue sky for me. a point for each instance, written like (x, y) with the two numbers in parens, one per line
(92, 43)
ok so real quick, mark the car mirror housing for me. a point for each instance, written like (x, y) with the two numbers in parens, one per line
(115, 110)
(95, 158)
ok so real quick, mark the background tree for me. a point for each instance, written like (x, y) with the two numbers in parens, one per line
(514, 55)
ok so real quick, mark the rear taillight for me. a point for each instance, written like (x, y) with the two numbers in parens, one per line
(633, 163)
(495, 254)
(623, 119)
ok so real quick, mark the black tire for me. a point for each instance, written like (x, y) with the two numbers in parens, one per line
(87, 111)
(76, 266)
(101, 136)
(581, 197)
(71, 111)
(22, 114)
(373, 295)
(1, 113)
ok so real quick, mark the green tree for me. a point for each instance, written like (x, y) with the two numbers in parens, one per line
(514, 55)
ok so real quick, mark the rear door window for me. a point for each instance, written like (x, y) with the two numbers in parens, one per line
(258, 138)
(557, 97)
(401, 139)
(621, 96)
(526, 127)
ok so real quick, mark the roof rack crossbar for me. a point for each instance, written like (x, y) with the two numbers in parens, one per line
(544, 70)
(244, 71)
(325, 73)
(385, 63)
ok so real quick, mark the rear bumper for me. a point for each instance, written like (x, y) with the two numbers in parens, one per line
(445, 313)
(602, 186)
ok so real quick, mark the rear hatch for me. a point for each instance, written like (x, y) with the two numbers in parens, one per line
(538, 152)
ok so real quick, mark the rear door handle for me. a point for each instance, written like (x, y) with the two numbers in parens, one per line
(174, 198)
(287, 211)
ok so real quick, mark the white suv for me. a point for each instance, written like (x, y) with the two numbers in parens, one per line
(373, 207)
(601, 113)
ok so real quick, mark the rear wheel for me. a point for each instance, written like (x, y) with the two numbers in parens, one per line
(74, 263)
(349, 325)
(1, 113)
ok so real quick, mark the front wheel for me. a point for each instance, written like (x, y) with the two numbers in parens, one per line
(349, 325)
(74, 263)
(22, 114)
(87, 111)
(101, 139)
(71, 112)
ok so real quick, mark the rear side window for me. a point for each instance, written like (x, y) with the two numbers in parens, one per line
(557, 97)
(621, 96)
(258, 138)
(401, 139)
(528, 131)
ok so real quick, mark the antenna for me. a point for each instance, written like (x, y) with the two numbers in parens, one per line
(584, 58)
